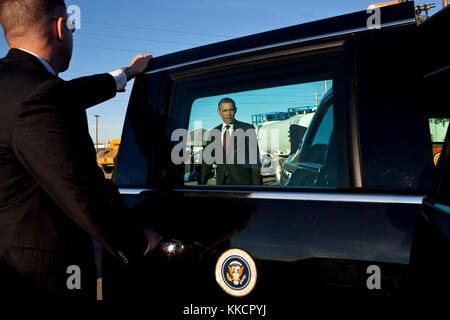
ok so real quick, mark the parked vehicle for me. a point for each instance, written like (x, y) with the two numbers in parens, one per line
(351, 196)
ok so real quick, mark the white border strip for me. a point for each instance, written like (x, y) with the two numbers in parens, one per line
(298, 196)
(322, 36)
(340, 197)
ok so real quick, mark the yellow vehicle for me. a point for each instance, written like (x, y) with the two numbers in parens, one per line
(105, 158)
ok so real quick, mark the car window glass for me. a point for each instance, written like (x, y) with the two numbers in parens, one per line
(269, 109)
(278, 119)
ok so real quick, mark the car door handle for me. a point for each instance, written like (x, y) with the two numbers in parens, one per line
(172, 247)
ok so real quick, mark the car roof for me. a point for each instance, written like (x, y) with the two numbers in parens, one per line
(403, 13)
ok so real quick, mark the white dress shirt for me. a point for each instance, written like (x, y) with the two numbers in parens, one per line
(224, 128)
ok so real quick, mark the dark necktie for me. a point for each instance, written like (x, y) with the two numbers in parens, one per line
(226, 138)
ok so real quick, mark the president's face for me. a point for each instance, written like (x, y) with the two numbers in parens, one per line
(227, 112)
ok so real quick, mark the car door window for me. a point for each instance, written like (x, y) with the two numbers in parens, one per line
(258, 115)
(251, 127)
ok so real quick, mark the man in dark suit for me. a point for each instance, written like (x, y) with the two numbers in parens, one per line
(53, 196)
(240, 163)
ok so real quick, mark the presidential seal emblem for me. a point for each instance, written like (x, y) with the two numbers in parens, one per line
(236, 272)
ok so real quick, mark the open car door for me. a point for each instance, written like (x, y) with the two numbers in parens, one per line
(430, 255)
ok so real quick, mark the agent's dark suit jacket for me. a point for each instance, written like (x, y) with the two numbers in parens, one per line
(247, 173)
(53, 196)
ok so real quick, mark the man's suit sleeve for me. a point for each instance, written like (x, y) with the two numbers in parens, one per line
(49, 143)
(88, 91)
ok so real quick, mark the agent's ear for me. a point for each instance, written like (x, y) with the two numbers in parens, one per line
(60, 28)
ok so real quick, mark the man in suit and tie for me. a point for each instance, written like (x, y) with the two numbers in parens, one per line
(53, 196)
(240, 163)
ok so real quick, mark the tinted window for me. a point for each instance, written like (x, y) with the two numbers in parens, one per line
(265, 115)
(274, 117)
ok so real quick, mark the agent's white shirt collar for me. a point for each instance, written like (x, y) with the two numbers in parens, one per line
(44, 63)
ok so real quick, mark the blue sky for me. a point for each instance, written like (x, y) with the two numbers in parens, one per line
(248, 103)
(114, 31)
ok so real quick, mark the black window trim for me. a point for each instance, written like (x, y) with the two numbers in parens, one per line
(279, 44)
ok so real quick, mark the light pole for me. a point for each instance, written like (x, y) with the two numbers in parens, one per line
(96, 133)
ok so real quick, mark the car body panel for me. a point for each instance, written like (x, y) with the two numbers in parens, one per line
(313, 239)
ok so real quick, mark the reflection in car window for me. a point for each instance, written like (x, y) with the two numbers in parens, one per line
(269, 123)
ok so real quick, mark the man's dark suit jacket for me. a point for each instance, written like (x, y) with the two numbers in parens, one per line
(53, 196)
(238, 174)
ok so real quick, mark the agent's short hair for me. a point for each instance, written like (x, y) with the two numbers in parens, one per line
(18, 17)
(227, 100)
